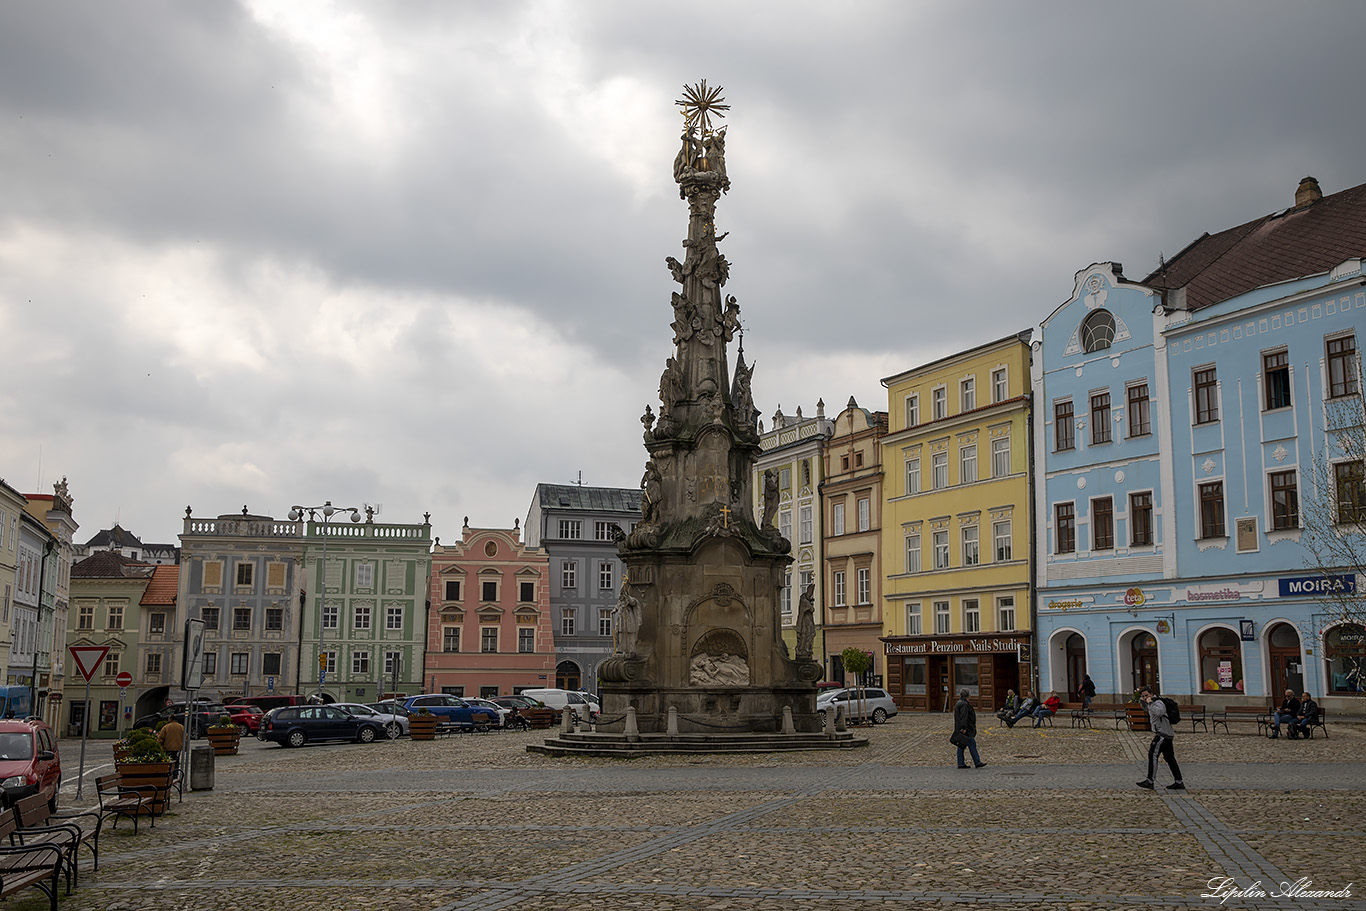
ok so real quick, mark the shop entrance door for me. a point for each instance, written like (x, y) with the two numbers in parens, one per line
(1006, 672)
(939, 684)
(1076, 663)
(1287, 671)
(1144, 651)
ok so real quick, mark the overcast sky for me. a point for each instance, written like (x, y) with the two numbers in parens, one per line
(412, 254)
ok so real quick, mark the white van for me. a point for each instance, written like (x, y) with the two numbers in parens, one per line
(578, 702)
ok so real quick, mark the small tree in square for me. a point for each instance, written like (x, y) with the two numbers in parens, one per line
(858, 662)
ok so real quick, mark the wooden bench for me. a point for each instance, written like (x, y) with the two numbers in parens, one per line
(1319, 722)
(117, 801)
(39, 825)
(1259, 714)
(22, 866)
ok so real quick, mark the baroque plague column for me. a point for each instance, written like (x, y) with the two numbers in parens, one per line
(699, 605)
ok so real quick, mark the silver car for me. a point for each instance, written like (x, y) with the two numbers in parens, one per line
(876, 704)
(394, 725)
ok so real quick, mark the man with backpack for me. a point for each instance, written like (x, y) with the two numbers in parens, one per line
(1163, 734)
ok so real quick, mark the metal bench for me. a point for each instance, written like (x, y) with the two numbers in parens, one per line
(1242, 713)
(22, 866)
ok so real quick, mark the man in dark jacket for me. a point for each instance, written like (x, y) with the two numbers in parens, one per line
(1304, 722)
(1087, 690)
(1289, 710)
(965, 723)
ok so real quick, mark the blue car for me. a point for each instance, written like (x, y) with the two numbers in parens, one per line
(452, 710)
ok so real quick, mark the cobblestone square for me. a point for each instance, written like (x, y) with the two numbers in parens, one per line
(473, 822)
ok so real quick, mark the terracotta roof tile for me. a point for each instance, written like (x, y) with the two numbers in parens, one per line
(162, 589)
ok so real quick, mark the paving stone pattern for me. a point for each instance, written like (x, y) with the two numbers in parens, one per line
(475, 822)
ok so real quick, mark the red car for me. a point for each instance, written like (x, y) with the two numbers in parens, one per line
(246, 717)
(28, 761)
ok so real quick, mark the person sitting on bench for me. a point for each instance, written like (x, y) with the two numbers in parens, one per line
(1026, 708)
(1303, 723)
(1290, 708)
(1047, 710)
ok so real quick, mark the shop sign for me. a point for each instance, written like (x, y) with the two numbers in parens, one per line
(1218, 594)
(1066, 605)
(1163, 627)
(1318, 585)
(1134, 597)
(1225, 675)
(935, 647)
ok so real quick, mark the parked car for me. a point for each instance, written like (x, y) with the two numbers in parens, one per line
(203, 715)
(389, 706)
(29, 763)
(394, 725)
(452, 710)
(578, 702)
(295, 725)
(266, 703)
(504, 713)
(876, 703)
(246, 717)
(527, 713)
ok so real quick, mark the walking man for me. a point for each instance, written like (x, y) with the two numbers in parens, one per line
(1162, 741)
(1087, 691)
(965, 723)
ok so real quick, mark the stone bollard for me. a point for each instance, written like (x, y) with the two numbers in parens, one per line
(201, 767)
(788, 726)
(567, 721)
(632, 729)
(840, 726)
(673, 721)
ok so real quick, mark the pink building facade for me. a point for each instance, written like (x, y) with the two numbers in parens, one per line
(489, 630)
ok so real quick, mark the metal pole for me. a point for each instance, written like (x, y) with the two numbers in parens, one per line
(85, 735)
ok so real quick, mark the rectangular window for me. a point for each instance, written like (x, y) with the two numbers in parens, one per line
(153, 666)
(939, 470)
(865, 586)
(913, 475)
(567, 623)
(241, 618)
(605, 576)
(275, 619)
(1285, 500)
(1140, 421)
(392, 664)
(602, 531)
(1005, 613)
(238, 663)
(785, 599)
(362, 616)
(1000, 385)
(245, 572)
(115, 617)
(837, 518)
(275, 575)
(941, 617)
(912, 410)
(1065, 528)
(569, 574)
(331, 666)
(210, 662)
(1212, 510)
(488, 639)
(488, 590)
(331, 616)
(213, 573)
(365, 575)
(86, 619)
(1206, 395)
(270, 663)
(1342, 366)
(858, 459)
(967, 463)
(452, 589)
(1100, 417)
(1063, 429)
(1103, 523)
(1000, 457)
(941, 550)
(972, 615)
(605, 623)
(784, 478)
(837, 586)
(526, 592)
(360, 663)
(450, 638)
(913, 620)
(939, 402)
(393, 617)
(804, 524)
(967, 394)
(971, 554)
(210, 617)
(785, 523)
(1001, 537)
(913, 553)
(526, 640)
(1276, 378)
(1350, 478)
(571, 529)
(1141, 519)
(864, 514)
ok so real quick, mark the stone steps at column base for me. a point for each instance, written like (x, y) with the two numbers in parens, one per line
(648, 744)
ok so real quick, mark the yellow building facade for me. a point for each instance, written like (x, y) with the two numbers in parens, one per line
(956, 528)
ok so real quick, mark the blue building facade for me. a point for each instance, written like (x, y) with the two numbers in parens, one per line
(1175, 554)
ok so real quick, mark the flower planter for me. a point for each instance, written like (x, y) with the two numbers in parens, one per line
(422, 727)
(224, 740)
(1137, 717)
(148, 774)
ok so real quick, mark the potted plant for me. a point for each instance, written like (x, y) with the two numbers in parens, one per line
(422, 725)
(224, 736)
(142, 762)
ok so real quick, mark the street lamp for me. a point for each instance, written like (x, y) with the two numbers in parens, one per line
(327, 511)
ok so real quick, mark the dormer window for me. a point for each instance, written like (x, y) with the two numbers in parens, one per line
(1097, 331)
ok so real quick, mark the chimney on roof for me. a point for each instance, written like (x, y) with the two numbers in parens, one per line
(1307, 193)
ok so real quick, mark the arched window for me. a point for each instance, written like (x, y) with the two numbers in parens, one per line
(1345, 649)
(1221, 661)
(1097, 331)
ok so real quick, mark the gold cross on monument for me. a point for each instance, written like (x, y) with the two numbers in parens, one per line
(725, 517)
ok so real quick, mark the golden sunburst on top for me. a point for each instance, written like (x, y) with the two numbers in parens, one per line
(700, 104)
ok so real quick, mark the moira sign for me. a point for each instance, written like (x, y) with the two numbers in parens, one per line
(1318, 585)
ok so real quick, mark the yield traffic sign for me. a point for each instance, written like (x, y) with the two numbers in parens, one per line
(88, 658)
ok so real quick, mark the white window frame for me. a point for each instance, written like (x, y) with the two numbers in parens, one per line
(571, 529)
(360, 662)
(365, 575)
(942, 623)
(1005, 613)
(865, 513)
(1002, 533)
(912, 409)
(940, 541)
(1000, 385)
(939, 470)
(606, 576)
(972, 615)
(605, 622)
(913, 475)
(967, 463)
(972, 545)
(1000, 457)
(567, 622)
(837, 584)
(837, 518)
(967, 394)
(939, 403)
(569, 574)
(804, 514)
(393, 617)
(362, 615)
(331, 618)
(865, 585)
(913, 625)
(912, 551)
